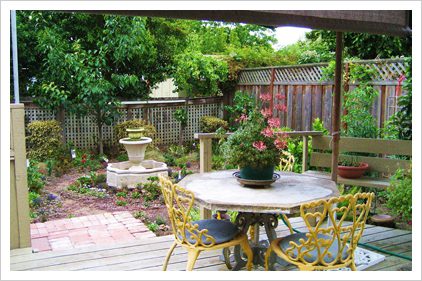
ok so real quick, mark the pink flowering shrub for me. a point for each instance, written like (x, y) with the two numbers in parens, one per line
(255, 143)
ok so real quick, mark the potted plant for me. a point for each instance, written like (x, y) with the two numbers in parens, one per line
(351, 167)
(255, 147)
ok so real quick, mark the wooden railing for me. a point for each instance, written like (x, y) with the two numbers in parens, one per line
(205, 153)
(19, 207)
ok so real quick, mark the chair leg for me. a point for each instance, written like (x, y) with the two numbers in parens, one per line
(192, 256)
(248, 251)
(267, 257)
(353, 266)
(166, 261)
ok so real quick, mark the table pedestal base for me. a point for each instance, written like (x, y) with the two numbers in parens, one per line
(245, 221)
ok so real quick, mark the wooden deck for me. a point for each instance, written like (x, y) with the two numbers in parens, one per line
(149, 253)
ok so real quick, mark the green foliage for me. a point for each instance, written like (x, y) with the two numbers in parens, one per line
(364, 45)
(140, 215)
(181, 115)
(150, 190)
(195, 214)
(350, 161)
(119, 131)
(86, 161)
(153, 226)
(121, 194)
(33, 198)
(400, 194)
(121, 202)
(358, 102)
(197, 74)
(173, 153)
(135, 195)
(318, 125)
(400, 124)
(160, 220)
(44, 140)
(36, 180)
(243, 102)
(210, 124)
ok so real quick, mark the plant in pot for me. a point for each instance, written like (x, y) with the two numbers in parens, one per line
(350, 167)
(255, 147)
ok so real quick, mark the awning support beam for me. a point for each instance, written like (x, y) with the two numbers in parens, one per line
(335, 132)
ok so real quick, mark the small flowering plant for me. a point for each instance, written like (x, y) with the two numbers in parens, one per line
(256, 143)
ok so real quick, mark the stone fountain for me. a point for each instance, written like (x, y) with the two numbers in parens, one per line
(128, 174)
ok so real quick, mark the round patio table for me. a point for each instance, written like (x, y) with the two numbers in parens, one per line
(220, 190)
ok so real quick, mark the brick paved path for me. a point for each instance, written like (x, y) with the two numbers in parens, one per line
(107, 228)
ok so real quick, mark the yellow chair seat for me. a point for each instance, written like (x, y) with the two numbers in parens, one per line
(312, 255)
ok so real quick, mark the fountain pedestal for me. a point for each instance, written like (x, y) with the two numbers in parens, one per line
(130, 173)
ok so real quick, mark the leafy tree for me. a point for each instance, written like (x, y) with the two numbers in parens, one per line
(364, 45)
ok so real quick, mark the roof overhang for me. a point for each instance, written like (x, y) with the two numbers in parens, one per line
(388, 22)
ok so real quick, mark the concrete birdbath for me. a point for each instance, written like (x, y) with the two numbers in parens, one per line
(129, 174)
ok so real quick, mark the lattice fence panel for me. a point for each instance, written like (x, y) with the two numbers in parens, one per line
(385, 70)
(83, 133)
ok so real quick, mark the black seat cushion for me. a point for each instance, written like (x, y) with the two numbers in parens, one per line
(312, 256)
(221, 230)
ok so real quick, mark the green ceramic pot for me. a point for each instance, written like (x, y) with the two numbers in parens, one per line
(262, 173)
(135, 134)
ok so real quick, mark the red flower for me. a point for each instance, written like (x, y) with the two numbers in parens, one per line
(83, 160)
(268, 132)
(266, 112)
(279, 96)
(274, 122)
(260, 145)
(265, 97)
(242, 118)
(281, 107)
(280, 144)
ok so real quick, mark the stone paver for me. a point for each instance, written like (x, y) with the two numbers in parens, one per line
(102, 229)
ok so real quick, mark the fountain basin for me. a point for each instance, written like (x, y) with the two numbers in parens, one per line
(126, 174)
(135, 148)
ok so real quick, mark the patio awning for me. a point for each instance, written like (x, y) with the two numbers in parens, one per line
(388, 22)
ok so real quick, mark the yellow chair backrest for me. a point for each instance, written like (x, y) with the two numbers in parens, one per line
(179, 202)
(336, 242)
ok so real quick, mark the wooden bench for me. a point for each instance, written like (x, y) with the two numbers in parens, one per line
(380, 164)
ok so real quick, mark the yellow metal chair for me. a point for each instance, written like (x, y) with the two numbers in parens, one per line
(325, 247)
(198, 236)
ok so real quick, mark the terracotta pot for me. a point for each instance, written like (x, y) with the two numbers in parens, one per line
(349, 172)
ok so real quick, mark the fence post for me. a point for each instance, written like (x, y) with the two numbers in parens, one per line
(305, 154)
(19, 207)
(205, 162)
(272, 88)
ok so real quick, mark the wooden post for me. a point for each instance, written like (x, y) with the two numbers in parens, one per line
(205, 155)
(19, 207)
(305, 154)
(336, 106)
(272, 89)
(205, 164)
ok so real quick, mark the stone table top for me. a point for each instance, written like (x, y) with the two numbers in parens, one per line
(220, 190)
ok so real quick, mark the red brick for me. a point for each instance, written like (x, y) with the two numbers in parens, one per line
(40, 244)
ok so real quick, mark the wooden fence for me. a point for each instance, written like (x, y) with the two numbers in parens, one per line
(307, 97)
(82, 132)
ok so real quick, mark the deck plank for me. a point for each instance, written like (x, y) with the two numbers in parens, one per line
(149, 253)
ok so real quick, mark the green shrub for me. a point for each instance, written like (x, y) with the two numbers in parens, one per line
(121, 203)
(119, 130)
(210, 124)
(121, 194)
(399, 197)
(140, 215)
(135, 195)
(159, 220)
(101, 178)
(150, 190)
(35, 178)
(153, 226)
(44, 140)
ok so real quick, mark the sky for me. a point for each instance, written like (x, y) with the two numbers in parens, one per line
(288, 35)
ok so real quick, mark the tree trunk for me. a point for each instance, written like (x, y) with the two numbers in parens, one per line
(100, 137)
(60, 116)
(182, 128)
